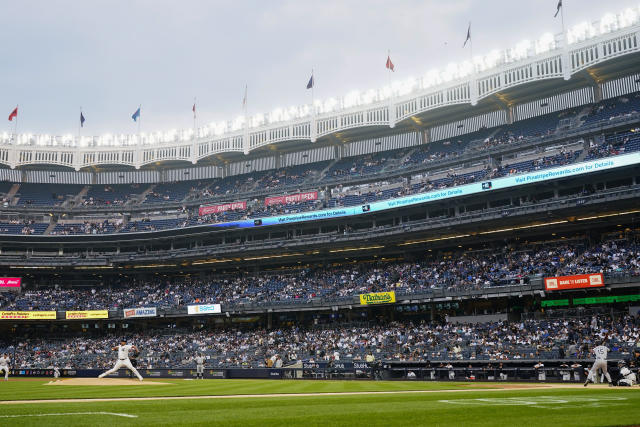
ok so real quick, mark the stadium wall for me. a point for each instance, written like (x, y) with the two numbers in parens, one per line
(563, 101)
(621, 86)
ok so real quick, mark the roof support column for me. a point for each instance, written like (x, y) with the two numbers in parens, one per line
(566, 59)
(392, 112)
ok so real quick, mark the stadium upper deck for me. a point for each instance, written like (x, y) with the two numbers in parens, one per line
(585, 66)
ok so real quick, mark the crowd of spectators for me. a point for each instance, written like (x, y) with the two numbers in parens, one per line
(87, 227)
(511, 264)
(420, 340)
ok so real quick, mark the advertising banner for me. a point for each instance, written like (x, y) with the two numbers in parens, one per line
(208, 210)
(28, 315)
(87, 314)
(339, 365)
(140, 312)
(579, 281)
(378, 298)
(204, 309)
(7, 283)
(291, 198)
(444, 194)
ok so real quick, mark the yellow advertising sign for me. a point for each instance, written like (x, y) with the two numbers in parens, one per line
(28, 315)
(88, 314)
(378, 298)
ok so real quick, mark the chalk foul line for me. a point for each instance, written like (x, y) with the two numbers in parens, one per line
(115, 414)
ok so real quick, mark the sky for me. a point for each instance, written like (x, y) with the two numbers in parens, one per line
(109, 56)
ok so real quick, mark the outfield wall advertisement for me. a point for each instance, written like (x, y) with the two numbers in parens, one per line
(28, 315)
(12, 283)
(140, 312)
(87, 314)
(448, 193)
(579, 281)
(208, 210)
(204, 309)
(291, 198)
(378, 298)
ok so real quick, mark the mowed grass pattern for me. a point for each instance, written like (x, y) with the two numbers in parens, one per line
(34, 390)
(548, 407)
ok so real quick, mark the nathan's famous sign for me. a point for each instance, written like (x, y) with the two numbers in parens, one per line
(378, 298)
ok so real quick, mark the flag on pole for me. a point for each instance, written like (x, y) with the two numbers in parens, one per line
(13, 114)
(389, 64)
(244, 99)
(468, 35)
(558, 8)
(81, 119)
(311, 82)
(136, 115)
(194, 110)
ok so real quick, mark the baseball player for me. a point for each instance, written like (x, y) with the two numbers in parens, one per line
(600, 363)
(56, 372)
(200, 366)
(452, 372)
(4, 366)
(628, 377)
(565, 372)
(123, 360)
(576, 367)
(539, 367)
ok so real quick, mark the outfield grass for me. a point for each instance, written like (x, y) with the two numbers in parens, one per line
(29, 390)
(547, 407)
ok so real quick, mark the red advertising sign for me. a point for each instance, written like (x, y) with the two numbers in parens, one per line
(291, 198)
(595, 280)
(10, 282)
(208, 210)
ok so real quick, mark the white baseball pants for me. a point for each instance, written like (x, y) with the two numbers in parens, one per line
(599, 364)
(6, 371)
(126, 363)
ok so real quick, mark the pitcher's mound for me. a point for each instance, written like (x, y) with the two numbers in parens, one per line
(103, 381)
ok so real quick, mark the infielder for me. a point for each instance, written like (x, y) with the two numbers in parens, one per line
(123, 360)
(56, 372)
(200, 366)
(4, 366)
(628, 376)
(600, 352)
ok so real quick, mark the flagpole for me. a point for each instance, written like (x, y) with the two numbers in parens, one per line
(245, 137)
(15, 126)
(139, 120)
(195, 135)
(80, 124)
(564, 35)
(244, 104)
(389, 70)
(471, 46)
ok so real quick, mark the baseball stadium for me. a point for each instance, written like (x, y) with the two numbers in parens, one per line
(461, 248)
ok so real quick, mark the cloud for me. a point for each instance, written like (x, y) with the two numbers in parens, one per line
(110, 56)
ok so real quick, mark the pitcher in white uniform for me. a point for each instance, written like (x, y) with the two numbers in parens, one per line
(4, 366)
(600, 352)
(123, 360)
